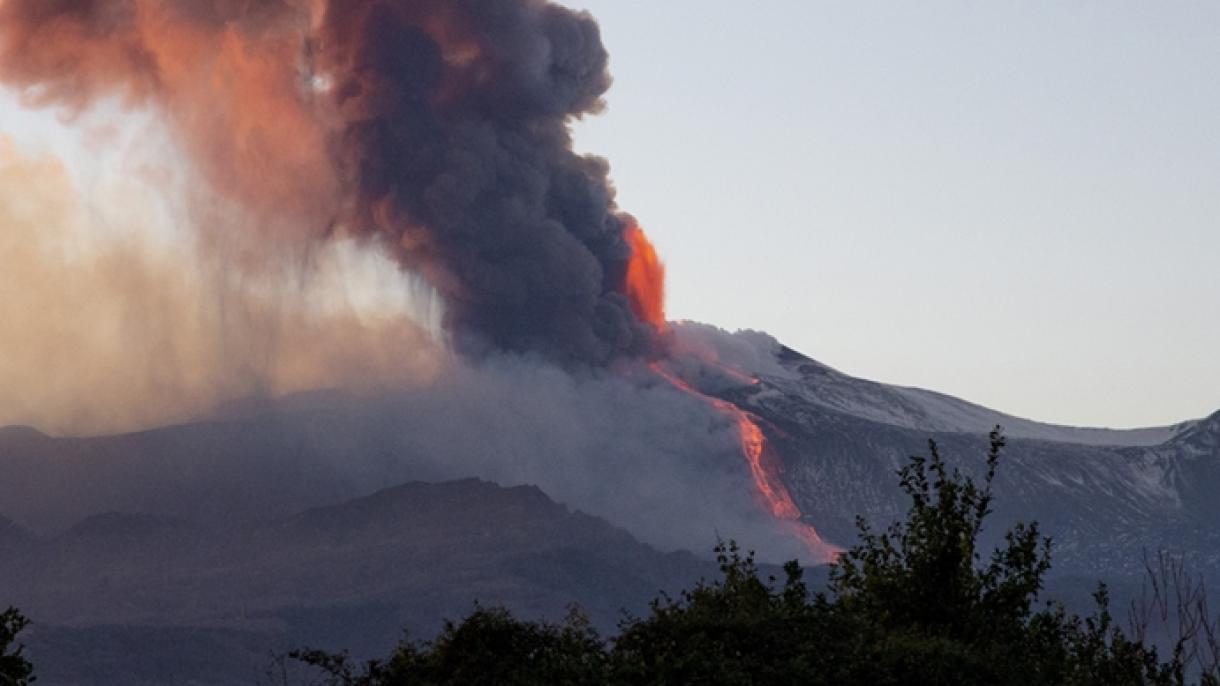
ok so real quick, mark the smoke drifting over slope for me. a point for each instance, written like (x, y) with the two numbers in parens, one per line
(434, 133)
(437, 129)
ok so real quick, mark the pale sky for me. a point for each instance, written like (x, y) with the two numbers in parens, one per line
(1017, 203)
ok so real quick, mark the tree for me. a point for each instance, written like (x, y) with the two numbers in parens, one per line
(916, 603)
(737, 630)
(489, 647)
(15, 669)
(920, 589)
(927, 607)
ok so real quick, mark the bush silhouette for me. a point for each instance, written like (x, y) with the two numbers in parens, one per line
(15, 669)
(916, 603)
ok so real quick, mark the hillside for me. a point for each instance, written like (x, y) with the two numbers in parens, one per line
(107, 595)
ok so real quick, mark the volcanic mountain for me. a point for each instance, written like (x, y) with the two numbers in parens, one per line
(277, 523)
(1104, 495)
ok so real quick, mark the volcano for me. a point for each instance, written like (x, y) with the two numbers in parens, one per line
(268, 525)
(539, 434)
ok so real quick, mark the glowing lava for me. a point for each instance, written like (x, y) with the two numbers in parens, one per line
(645, 290)
(645, 285)
(764, 466)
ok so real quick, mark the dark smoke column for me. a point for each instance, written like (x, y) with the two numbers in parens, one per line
(453, 131)
(438, 128)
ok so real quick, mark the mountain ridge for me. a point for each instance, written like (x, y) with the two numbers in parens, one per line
(928, 410)
(353, 574)
(324, 519)
(1106, 498)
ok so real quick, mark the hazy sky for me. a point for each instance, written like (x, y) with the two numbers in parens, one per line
(1013, 202)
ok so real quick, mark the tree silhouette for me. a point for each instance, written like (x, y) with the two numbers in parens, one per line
(916, 603)
(15, 669)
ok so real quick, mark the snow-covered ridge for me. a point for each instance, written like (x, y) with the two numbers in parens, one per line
(917, 408)
(787, 371)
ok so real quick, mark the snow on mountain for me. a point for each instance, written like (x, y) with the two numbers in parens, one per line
(916, 408)
(788, 372)
(1104, 495)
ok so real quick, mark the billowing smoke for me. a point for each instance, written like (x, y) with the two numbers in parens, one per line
(112, 319)
(436, 128)
(293, 135)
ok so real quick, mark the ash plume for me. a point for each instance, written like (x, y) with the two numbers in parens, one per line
(110, 322)
(437, 129)
(434, 133)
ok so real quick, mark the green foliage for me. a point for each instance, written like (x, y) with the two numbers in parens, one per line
(917, 603)
(1095, 652)
(924, 573)
(489, 647)
(738, 630)
(15, 670)
(925, 601)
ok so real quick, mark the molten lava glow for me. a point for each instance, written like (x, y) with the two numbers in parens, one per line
(764, 466)
(645, 278)
(645, 290)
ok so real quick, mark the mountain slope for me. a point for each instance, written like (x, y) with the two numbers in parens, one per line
(348, 575)
(924, 410)
(270, 525)
(14, 540)
(1105, 496)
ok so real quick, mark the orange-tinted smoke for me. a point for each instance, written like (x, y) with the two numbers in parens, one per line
(231, 84)
(109, 322)
(439, 128)
(645, 278)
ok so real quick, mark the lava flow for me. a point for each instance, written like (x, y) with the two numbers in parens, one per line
(764, 465)
(645, 284)
(645, 289)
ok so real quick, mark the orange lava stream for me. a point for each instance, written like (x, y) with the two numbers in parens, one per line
(645, 285)
(764, 467)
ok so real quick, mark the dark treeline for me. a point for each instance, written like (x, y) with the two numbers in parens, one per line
(916, 603)
(15, 669)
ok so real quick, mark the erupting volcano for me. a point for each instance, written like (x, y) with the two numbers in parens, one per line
(645, 287)
(765, 466)
(435, 131)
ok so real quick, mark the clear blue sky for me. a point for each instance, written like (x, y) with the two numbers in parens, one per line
(1013, 202)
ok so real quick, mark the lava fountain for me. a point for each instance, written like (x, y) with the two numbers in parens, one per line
(645, 288)
(645, 284)
(435, 131)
